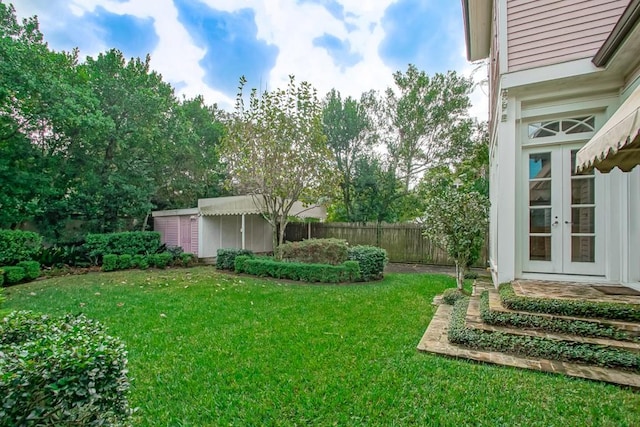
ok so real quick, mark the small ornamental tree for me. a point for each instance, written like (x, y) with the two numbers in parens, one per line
(276, 151)
(456, 220)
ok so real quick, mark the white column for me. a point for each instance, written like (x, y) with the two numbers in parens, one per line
(243, 234)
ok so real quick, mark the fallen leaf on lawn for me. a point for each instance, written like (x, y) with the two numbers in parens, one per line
(163, 315)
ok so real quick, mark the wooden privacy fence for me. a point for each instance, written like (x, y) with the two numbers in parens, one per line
(403, 242)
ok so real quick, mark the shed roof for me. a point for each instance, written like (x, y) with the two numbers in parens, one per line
(238, 205)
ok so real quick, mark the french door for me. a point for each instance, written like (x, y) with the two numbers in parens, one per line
(563, 214)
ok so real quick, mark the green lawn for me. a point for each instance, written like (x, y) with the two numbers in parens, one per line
(208, 349)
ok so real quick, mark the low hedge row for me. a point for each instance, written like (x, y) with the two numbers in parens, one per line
(315, 251)
(605, 310)
(348, 271)
(61, 371)
(225, 257)
(536, 346)
(372, 261)
(23, 271)
(130, 243)
(112, 262)
(531, 321)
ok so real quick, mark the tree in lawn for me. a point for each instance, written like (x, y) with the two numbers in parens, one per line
(276, 151)
(346, 125)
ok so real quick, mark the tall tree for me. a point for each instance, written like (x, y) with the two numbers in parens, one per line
(421, 117)
(277, 152)
(347, 127)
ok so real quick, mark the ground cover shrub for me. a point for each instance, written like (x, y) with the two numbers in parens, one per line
(14, 274)
(130, 243)
(372, 261)
(325, 273)
(110, 262)
(451, 295)
(315, 251)
(605, 310)
(61, 371)
(225, 257)
(31, 269)
(534, 346)
(18, 245)
(551, 324)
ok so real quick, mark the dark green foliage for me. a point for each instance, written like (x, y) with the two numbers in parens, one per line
(538, 347)
(124, 261)
(325, 273)
(140, 261)
(161, 260)
(18, 245)
(131, 243)
(605, 310)
(315, 251)
(61, 255)
(14, 274)
(1, 282)
(550, 324)
(238, 263)
(61, 371)
(110, 262)
(225, 257)
(451, 295)
(372, 261)
(31, 269)
(187, 259)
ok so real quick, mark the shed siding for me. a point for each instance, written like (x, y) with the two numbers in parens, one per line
(168, 227)
(546, 32)
(194, 236)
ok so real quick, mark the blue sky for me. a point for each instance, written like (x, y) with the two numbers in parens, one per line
(204, 46)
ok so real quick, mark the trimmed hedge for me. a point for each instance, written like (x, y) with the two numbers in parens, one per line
(31, 269)
(550, 324)
(2, 297)
(349, 271)
(538, 347)
(372, 261)
(61, 371)
(130, 243)
(140, 261)
(14, 274)
(110, 262)
(18, 245)
(315, 251)
(225, 257)
(161, 260)
(124, 262)
(605, 310)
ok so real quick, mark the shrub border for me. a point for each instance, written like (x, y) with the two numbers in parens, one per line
(538, 347)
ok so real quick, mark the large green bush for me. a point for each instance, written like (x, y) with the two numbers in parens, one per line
(18, 245)
(109, 262)
(31, 269)
(372, 261)
(315, 251)
(225, 257)
(349, 271)
(14, 274)
(130, 243)
(61, 372)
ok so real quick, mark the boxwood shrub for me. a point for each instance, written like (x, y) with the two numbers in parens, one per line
(14, 274)
(140, 261)
(109, 262)
(315, 251)
(550, 324)
(372, 261)
(130, 243)
(534, 346)
(225, 257)
(18, 245)
(124, 261)
(578, 308)
(266, 267)
(31, 269)
(61, 371)
(161, 260)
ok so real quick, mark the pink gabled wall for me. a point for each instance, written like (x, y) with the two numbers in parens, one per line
(546, 32)
(178, 230)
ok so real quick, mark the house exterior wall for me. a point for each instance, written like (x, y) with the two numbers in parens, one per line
(546, 32)
(178, 230)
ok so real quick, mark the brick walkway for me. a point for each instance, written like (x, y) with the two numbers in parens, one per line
(435, 340)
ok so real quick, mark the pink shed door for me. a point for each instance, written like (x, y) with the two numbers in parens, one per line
(185, 233)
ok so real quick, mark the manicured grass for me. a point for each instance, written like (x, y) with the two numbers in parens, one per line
(208, 349)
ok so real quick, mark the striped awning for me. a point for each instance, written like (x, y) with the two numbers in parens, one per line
(617, 143)
(246, 205)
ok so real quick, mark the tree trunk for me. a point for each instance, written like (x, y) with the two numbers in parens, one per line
(459, 275)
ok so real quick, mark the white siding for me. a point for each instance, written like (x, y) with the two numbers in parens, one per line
(545, 32)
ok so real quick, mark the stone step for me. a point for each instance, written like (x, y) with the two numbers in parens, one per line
(474, 320)
(630, 328)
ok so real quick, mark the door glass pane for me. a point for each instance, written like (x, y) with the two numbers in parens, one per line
(540, 165)
(582, 191)
(540, 248)
(583, 249)
(540, 193)
(582, 220)
(540, 220)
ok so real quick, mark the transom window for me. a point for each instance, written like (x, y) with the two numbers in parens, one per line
(562, 127)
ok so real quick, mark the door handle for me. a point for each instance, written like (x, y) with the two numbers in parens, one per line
(568, 222)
